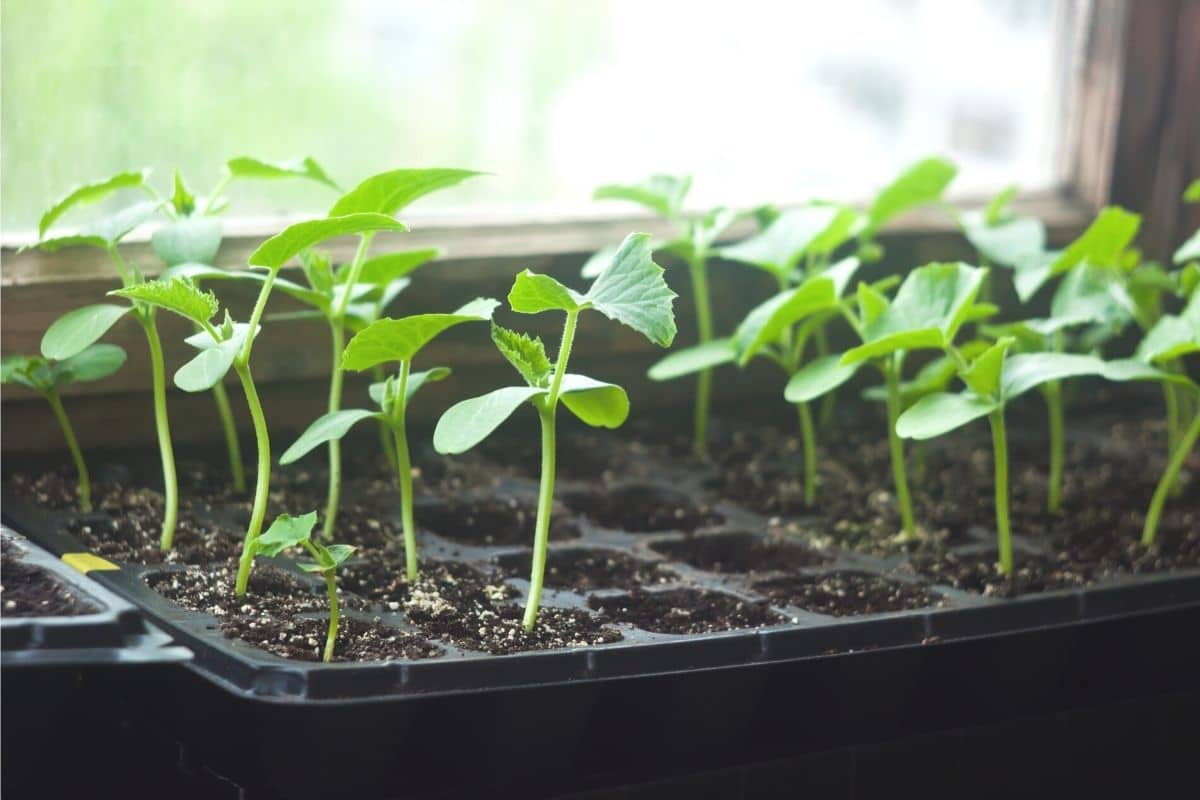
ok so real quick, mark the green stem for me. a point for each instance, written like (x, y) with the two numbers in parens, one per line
(1052, 391)
(333, 497)
(829, 401)
(919, 460)
(809, 441)
(85, 481)
(404, 473)
(211, 202)
(1000, 455)
(1174, 423)
(385, 432)
(704, 330)
(891, 374)
(1169, 478)
(331, 636)
(262, 485)
(163, 426)
(232, 446)
(546, 413)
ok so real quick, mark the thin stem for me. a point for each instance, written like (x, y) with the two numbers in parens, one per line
(1174, 424)
(919, 468)
(1052, 391)
(541, 535)
(163, 426)
(829, 401)
(404, 473)
(262, 483)
(385, 432)
(122, 267)
(704, 330)
(232, 445)
(215, 195)
(891, 374)
(1000, 456)
(331, 636)
(334, 494)
(1169, 478)
(809, 441)
(85, 481)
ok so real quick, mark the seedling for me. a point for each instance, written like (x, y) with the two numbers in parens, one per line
(287, 532)
(381, 342)
(693, 243)
(993, 379)
(46, 378)
(630, 290)
(386, 193)
(933, 302)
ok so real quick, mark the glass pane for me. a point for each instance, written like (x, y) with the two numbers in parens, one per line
(760, 100)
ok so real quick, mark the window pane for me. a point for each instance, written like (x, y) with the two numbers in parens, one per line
(760, 100)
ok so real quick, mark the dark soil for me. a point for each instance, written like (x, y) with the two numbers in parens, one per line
(211, 589)
(642, 508)
(739, 552)
(30, 591)
(584, 570)
(979, 572)
(384, 579)
(841, 594)
(303, 639)
(683, 611)
(491, 520)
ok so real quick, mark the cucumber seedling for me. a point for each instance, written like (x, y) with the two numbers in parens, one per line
(629, 290)
(287, 532)
(46, 377)
(385, 341)
(692, 243)
(932, 303)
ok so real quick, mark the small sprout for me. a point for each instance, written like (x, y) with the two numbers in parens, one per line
(287, 532)
(46, 377)
(631, 290)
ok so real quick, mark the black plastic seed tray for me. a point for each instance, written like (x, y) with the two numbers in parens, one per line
(651, 702)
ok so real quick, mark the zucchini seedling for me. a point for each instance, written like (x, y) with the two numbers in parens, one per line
(46, 377)
(693, 244)
(932, 303)
(287, 532)
(382, 342)
(630, 290)
(993, 379)
(386, 193)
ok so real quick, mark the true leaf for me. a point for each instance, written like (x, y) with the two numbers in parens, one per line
(662, 194)
(694, 359)
(942, 412)
(921, 183)
(336, 554)
(526, 354)
(983, 374)
(317, 270)
(532, 293)
(326, 428)
(178, 295)
(90, 193)
(244, 167)
(599, 404)
(190, 240)
(467, 423)
(181, 196)
(631, 290)
(400, 339)
(282, 247)
(781, 246)
(415, 381)
(1102, 242)
(818, 377)
(77, 329)
(286, 531)
(597, 262)
(389, 192)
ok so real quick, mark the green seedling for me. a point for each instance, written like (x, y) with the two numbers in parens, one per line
(693, 243)
(46, 377)
(630, 290)
(993, 379)
(933, 302)
(230, 345)
(188, 246)
(386, 193)
(382, 342)
(287, 532)
(1001, 237)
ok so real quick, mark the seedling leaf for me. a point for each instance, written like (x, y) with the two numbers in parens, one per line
(921, 183)
(694, 359)
(400, 339)
(415, 381)
(244, 167)
(526, 354)
(92, 364)
(90, 193)
(326, 428)
(1007, 241)
(1189, 250)
(631, 290)
(282, 247)
(983, 374)
(532, 293)
(939, 413)
(190, 240)
(768, 320)
(781, 246)
(389, 192)
(662, 194)
(1173, 335)
(177, 295)
(1102, 242)
(817, 377)
(78, 329)
(467, 423)
(286, 531)
(384, 269)
(599, 404)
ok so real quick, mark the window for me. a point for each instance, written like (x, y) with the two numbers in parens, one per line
(760, 100)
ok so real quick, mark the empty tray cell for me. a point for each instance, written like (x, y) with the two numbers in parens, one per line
(490, 520)
(740, 551)
(684, 611)
(583, 569)
(641, 508)
(848, 593)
